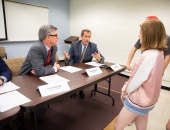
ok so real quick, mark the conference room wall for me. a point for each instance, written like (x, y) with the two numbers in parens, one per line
(115, 24)
(59, 15)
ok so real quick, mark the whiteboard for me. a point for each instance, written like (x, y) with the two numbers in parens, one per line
(2, 21)
(24, 20)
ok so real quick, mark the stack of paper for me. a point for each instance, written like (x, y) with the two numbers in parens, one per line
(94, 64)
(52, 79)
(7, 87)
(12, 99)
(70, 69)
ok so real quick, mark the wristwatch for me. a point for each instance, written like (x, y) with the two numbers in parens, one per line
(2, 80)
(100, 59)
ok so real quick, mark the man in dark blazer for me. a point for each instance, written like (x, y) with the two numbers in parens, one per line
(5, 72)
(41, 59)
(5, 75)
(77, 49)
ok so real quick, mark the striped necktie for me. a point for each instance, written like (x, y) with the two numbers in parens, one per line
(82, 55)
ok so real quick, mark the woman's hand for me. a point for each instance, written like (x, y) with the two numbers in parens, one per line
(124, 93)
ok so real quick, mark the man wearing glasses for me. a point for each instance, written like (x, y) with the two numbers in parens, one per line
(41, 58)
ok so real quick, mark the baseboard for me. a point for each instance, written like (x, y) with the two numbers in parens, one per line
(165, 88)
(126, 76)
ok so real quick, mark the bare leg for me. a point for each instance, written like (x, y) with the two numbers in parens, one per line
(124, 118)
(168, 125)
(141, 122)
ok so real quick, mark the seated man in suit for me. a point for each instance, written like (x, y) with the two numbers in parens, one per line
(83, 51)
(5, 72)
(5, 75)
(41, 59)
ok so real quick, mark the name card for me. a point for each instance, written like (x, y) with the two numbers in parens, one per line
(50, 89)
(93, 71)
(116, 67)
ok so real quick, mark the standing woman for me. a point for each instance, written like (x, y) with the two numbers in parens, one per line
(142, 90)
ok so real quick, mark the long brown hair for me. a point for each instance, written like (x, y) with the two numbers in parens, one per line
(153, 35)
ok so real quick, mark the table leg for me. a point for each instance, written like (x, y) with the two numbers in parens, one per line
(35, 120)
(95, 89)
(108, 94)
(22, 120)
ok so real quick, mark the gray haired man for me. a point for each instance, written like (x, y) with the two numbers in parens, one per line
(41, 59)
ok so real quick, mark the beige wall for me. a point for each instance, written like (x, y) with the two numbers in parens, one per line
(115, 24)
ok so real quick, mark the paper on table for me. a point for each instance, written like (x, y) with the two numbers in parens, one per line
(94, 64)
(52, 79)
(50, 89)
(8, 86)
(12, 99)
(70, 69)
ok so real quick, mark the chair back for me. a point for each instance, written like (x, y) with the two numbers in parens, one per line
(15, 64)
(57, 59)
(3, 53)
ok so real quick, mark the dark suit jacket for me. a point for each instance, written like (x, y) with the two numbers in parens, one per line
(36, 58)
(4, 70)
(76, 51)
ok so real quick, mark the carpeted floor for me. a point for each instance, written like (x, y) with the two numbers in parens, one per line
(91, 113)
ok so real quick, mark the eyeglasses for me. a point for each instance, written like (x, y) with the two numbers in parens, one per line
(53, 35)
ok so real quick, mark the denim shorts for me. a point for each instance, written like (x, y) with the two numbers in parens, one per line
(136, 110)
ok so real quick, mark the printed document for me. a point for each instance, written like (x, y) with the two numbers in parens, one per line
(94, 64)
(52, 79)
(70, 69)
(12, 99)
(7, 87)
